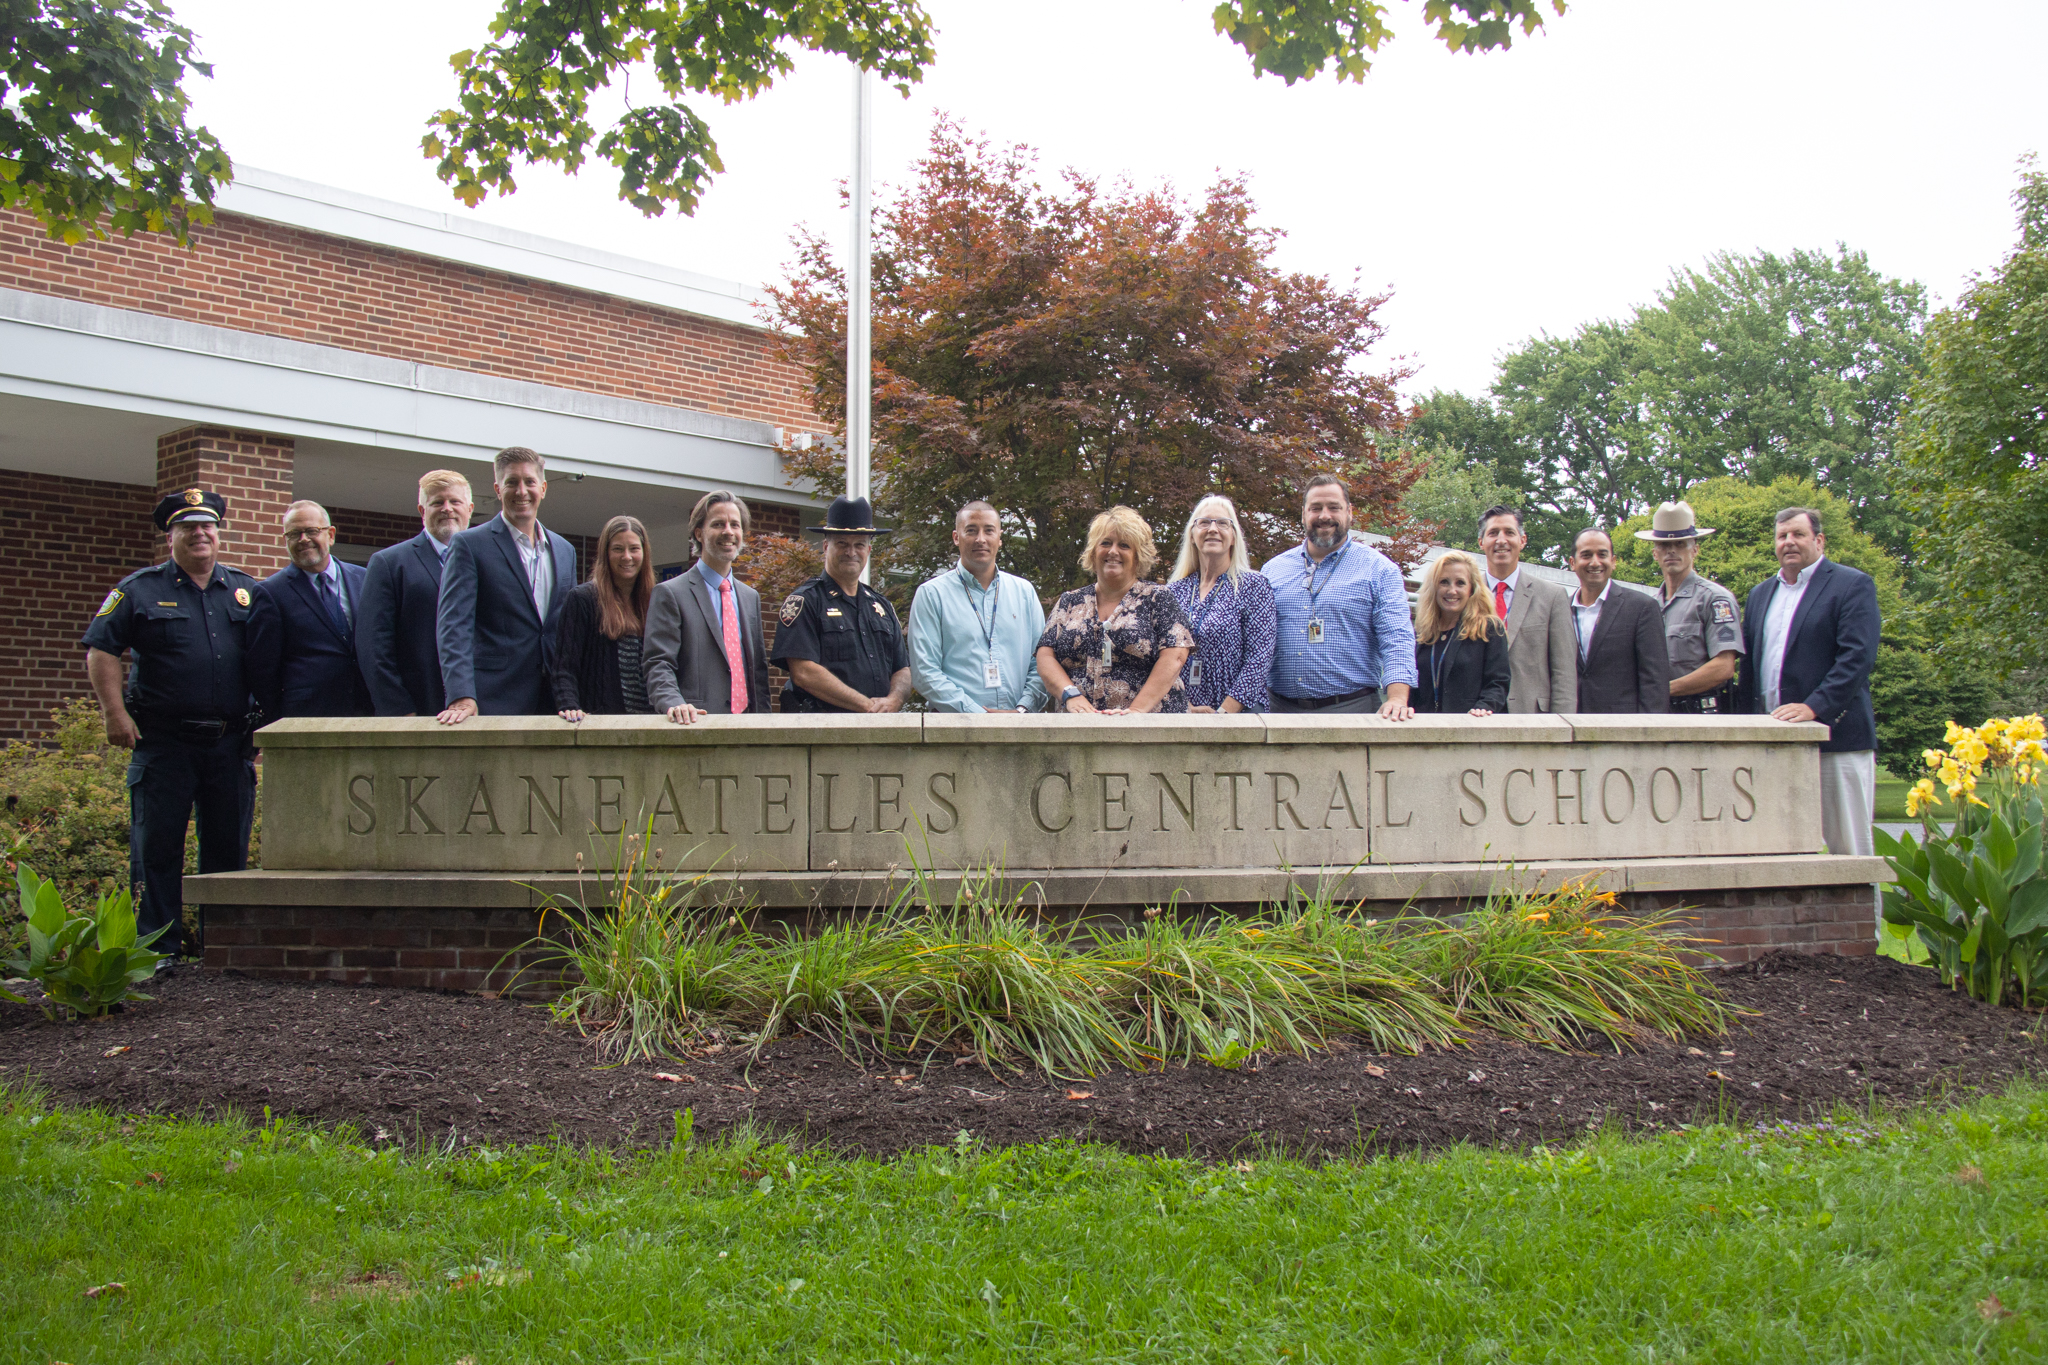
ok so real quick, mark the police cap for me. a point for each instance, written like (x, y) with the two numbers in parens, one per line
(192, 504)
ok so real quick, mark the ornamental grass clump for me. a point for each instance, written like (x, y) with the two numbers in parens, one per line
(1559, 966)
(1972, 890)
(665, 963)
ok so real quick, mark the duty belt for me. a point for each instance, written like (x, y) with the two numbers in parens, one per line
(201, 730)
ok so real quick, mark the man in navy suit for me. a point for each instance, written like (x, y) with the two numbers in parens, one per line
(501, 594)
(1811, 631)
(300, 650)
(395, 631)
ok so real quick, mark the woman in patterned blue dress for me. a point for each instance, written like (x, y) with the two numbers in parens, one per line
(1231, 609)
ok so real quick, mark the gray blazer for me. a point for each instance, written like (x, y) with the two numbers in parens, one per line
(1542, 651)
(683, 659)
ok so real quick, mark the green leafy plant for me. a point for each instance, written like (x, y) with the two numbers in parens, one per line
(86, 963)
(1974, 890)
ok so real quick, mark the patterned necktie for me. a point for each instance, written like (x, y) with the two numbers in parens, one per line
(734, 662)
(332, 602)
(1500, 598)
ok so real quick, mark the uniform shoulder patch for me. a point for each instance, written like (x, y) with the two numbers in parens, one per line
(1724, 612)
(792, 607)
(107, 607)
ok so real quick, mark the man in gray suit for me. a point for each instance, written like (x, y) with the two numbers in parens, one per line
(1542, 653)
(704, 652)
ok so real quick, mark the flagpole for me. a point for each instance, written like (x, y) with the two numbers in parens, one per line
(858, 369)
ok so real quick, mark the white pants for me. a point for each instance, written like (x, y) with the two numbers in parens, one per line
(1848, 801)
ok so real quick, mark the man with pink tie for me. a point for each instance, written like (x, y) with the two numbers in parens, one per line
(705, 654)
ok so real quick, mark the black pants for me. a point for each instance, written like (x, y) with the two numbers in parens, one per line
(172, 781)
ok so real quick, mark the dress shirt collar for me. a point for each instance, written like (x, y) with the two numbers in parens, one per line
(441, 547)
(1805, 574)
(971, 583)
(531, 543)
(1513, 580)
(712, 577)
(1599, 601)
(332, 573)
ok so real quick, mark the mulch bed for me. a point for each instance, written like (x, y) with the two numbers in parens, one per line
(408, 1066)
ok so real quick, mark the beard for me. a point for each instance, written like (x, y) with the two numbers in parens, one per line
(1326, 536)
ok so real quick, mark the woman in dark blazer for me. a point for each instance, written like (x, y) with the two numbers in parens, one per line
(1461, 646)
(597, 643)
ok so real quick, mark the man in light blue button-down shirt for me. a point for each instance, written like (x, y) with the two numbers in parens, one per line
(1346, 640)
(974, 629)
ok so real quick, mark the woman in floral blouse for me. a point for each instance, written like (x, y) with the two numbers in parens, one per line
(1117, 646)
(1231, 609)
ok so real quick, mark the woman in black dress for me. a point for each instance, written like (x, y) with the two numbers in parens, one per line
(1116, 647)
(1461, 647)
(597, 637)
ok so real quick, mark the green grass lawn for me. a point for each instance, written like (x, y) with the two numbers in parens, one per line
(1891, 796)
(1874, 1241)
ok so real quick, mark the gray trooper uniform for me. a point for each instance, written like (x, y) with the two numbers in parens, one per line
(1700, 622)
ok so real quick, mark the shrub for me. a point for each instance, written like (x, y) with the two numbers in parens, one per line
(86, 962)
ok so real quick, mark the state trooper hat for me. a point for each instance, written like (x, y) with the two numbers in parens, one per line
(193, 504)
(1674, 521)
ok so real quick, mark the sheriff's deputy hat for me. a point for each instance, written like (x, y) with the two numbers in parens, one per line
(848, 517)
(193, 504)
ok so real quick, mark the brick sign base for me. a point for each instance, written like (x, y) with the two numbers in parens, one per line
(485, 948)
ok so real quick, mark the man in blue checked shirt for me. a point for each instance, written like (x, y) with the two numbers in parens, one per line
(974, 629)
(1347, 643)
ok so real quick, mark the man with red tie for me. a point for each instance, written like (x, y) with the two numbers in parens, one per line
(1542, 652)
(704, 653)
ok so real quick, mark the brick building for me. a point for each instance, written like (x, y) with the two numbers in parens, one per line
(318, 344)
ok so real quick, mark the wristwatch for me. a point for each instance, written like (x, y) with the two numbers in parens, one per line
(1068, 694)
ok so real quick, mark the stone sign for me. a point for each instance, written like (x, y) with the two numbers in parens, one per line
(767, 794)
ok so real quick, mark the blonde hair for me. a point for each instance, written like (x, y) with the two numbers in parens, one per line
(435, 480)
(1190, 558)
(1478, 613)
(1130, 528)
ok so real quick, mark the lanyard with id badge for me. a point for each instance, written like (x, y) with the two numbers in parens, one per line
(1203, 606)
(991, 668)
(1315, 620)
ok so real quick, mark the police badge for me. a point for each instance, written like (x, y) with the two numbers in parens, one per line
(193, 497)
(241, 597)
(792, 607)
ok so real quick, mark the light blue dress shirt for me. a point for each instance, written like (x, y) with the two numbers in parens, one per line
(956, 624)
(332, 573)
(1368, 635)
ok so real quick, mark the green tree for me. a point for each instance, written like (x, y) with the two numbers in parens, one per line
(1917, 685)
(1451, 493)
(525, 96)
(92, 119)
(1059, 352)
(1975, 450)
(1756, 366)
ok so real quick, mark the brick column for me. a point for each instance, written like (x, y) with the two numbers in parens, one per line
(252, 470)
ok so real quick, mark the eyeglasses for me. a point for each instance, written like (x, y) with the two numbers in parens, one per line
(1213, 523)
(308, 533)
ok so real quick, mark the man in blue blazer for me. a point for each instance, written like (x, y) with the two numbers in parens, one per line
(299, 647)
(501, 594)
(1811, 631)
(396, 644)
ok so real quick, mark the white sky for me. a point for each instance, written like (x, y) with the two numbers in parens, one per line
(1495, 196)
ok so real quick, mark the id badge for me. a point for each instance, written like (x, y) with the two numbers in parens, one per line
(1315, 630)
(1108, 650)
(992, 673)
(1195, 673)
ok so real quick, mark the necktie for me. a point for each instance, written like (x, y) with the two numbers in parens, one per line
(1500, 598)
(735, 662)
(332, 602)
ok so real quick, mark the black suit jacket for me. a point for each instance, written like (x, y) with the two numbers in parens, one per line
(1626, 668)
(1829, 653)
(684, 656)
(395, 629)
(1474, 673)
(494, 646)
(298, 663)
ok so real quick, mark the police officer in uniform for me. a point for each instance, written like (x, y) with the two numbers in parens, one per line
(1702, 630)
(186, 710)
(838, 638)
